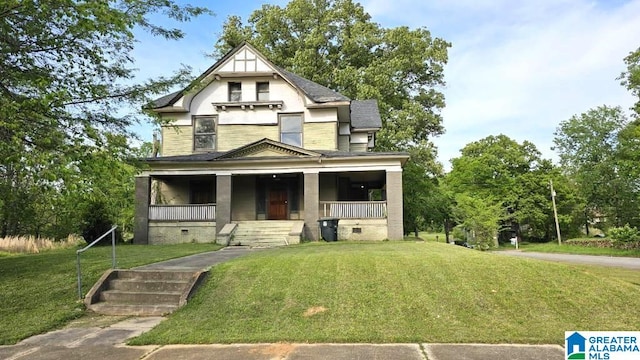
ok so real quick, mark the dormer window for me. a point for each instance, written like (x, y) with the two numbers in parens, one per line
(235, 92)
(262, 91)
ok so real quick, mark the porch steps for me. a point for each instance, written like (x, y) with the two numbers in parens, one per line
(266, 233)
(142, 292)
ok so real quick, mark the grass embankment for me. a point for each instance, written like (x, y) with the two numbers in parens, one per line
(38, 292)
(398, 292)
(578, 249)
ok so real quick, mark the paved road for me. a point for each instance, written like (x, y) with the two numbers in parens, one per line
(613, 261)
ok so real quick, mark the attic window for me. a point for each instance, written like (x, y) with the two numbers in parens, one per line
(235, 91)
(262, 91)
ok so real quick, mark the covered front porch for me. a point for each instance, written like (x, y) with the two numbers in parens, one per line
(191, 198)
(195, 208)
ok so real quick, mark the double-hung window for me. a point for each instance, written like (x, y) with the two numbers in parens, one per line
(262, 91)
(204, 133)
(291, 129)
(235, 91)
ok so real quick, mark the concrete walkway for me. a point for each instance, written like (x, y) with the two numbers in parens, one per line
(613, 261)
(107, 342)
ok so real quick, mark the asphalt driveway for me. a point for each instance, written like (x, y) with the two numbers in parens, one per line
(613, 261)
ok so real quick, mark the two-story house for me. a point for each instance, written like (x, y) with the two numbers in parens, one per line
(252, 153)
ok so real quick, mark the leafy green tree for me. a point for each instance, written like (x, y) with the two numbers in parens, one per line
(599, 149)
(499, 170)
(631, 77)
(66, 71)
(335, 43)
(481, 217)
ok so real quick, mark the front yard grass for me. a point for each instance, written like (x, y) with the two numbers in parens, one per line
(577, 249)
(38, 292)
(398, 292)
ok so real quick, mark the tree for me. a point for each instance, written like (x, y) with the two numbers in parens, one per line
(631, 77)
(599, 149)
(481, 217)
(335, 43)
(501, 172)
(65, 76)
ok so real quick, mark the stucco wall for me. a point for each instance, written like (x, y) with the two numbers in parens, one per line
(163, 232)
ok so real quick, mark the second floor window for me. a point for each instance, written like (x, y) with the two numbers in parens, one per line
(291, 129)
(262, 89)
(235, 91)
(204, 133)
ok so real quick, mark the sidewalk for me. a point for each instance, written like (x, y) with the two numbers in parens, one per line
(108, 344)
(107, 341)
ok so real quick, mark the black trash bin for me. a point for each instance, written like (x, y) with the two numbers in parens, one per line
(329, 228)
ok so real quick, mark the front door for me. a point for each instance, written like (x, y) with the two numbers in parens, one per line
(278, 204)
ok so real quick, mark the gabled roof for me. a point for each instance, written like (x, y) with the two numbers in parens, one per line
(316, 92)
(365, 114)
(263, 144)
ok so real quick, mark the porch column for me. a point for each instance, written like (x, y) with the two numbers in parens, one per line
(311, 205)
(223, 201)
(394, 205)
(141, 225)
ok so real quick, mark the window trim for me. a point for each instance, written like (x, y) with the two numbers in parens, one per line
(231, 91)
(284, 115)
(194, 120)
(258, 92)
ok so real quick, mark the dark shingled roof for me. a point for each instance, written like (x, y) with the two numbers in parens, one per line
(209, 156)
(365, 114)
(214, 156)
(314, 91)
(165, 100)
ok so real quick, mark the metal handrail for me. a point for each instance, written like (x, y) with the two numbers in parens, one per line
(113, 255)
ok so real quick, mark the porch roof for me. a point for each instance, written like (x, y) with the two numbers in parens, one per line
(289, 152)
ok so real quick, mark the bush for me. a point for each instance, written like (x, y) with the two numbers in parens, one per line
(591, 242)
(96, 221)
(625, 234)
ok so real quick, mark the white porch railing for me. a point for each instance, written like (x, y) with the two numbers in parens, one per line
(190, 212)
(355, 209)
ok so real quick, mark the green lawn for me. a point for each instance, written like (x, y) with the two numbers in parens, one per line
(429, 236)
(399, 292)
(577, 249)
(38, 292)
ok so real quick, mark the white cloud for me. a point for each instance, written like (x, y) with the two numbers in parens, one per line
(516, 67)
(519, 68)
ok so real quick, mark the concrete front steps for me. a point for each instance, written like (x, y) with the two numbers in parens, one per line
(142, 292)
(266, 233)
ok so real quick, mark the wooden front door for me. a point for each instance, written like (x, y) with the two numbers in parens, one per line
(278, 204)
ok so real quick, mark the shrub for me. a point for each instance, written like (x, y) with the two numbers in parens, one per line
(591, 242)
(624, 234)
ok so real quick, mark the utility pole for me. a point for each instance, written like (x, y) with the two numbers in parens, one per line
(555, 212)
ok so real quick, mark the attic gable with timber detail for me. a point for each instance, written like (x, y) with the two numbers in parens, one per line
(268, 148)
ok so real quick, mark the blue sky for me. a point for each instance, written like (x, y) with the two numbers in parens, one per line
(515, 67)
